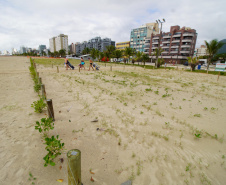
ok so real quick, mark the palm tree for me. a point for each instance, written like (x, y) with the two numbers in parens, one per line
(118, 54)
(94, 53)
(193, 62)
(129, 52)
(109, 51)
(158, 62)
(86, 51)
(138, 56)
(145, 58)
(212, 47)
(100, 56)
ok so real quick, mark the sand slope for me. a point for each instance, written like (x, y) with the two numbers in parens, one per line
(147, 125)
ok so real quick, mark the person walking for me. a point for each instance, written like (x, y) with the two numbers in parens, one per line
(90, 64)
(82, 63)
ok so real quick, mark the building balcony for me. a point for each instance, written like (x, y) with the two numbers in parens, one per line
(165, 56)
(155, 42)
(156, 37)
(175, 41)
(165, 46)
(174, 46)
(176, 35)
(165, 42)
(185, 51)
(165, 52)
(154, 47)
(166, 37)
(174, 51)
(185, 46)
(188, 34)
(187, 40)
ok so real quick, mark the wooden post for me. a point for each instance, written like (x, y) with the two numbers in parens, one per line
(50, 109)
(57, 69)
(40, 80)
(74, 167)
(43, 91)
(35, 67)
(79, 68)
(218, 76)
(110, 68)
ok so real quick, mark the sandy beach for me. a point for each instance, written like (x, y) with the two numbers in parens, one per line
(154, 126)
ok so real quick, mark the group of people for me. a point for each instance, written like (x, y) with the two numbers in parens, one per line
(81, 65)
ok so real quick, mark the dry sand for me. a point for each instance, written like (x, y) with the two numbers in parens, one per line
(147, 122)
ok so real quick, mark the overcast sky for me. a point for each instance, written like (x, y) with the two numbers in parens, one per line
(32, 22)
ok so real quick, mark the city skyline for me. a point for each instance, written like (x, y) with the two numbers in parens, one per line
(30, 24)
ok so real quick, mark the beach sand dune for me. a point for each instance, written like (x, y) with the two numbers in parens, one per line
(154, 126)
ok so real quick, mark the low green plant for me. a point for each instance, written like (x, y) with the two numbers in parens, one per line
(156, 92)
(198, 135)
(31, 178)
(197, 115)
(148, 89)
(39, 105)
(205, 108)
(54, 148)
(37, 86)
(45, 125)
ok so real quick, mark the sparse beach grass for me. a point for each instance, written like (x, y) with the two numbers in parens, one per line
(147, 119)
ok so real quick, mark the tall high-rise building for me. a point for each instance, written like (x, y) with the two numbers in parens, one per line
(97, 43)
(41, 48)
(139, 36)
(61, 42)
(177, 44)
(22, 50)
(52, 45)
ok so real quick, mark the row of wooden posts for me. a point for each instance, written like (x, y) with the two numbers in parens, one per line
(74, 155)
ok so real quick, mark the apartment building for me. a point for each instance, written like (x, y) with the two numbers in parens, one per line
(97, 43)
(122, 45)
(58, 43)
(202, 51)
(41, 48)
(52, 45)
(177, 45)
(140, 37)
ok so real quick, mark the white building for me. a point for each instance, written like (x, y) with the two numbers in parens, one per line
(52, 45)
(140, 37)
(202, 51)
(58, 43)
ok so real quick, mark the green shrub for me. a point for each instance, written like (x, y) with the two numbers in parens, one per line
(39, 105)
(54, 148)
(46, 124)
